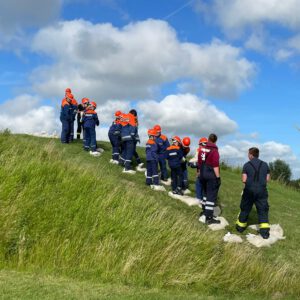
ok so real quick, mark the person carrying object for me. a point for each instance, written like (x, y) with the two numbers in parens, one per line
(255, 176)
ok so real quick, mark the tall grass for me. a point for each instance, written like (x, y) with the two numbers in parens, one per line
(66, 213)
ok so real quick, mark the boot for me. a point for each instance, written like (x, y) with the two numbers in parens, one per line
(265, 233)
(239, 228)
(212, 220)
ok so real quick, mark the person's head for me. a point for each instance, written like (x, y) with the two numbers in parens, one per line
(68, 91)
(85, 102)
(176, 141)
(69, 97)
(253, 152)
(158, 129)
(212, 138)
(93, 105)
(186, 141)
(118, 114)
(152, 134)
(203, 141)
(133, 112)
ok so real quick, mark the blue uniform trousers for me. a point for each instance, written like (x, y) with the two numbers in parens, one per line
(90, 139)
(163, 167)
(185, 182)
(210, 195)
(65, 131)
(152, 172)
(177, 178)
(198, 186)
(115, 143)
(128, 153)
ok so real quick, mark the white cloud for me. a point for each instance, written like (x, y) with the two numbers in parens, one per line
(236, 153)
(106, 111)
(25, 114)
(236, 15)
(105, 62)
(186, 114)
(17, 15)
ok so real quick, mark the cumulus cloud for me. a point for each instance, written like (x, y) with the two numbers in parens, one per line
(236, 153)
(25, 114)
(17, 15)
(185, 114)
(236, 15)
(106, 111)
(106, 62)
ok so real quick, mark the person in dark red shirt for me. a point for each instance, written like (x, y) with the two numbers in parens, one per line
(209, 173)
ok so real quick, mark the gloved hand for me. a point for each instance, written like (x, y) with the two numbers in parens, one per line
(183, 159)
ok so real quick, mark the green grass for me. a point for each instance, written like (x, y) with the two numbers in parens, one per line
(65, 214)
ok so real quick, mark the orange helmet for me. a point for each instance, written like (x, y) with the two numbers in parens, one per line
(186, 141)
(157, 128)
(152, 132)
(68, 90)
(70, 96)
(94, 104)
(118, 113)
(203, 140)
(176, 139)
(85, 100)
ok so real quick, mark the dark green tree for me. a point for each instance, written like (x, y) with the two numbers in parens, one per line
(280, 170)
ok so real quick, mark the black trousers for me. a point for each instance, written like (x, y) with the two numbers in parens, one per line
(259, 197)
(210, 195)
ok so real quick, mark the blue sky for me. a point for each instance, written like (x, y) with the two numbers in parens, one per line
(231, 67)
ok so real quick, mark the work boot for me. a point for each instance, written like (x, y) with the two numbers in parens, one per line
(239, 228)
(265, 233)
(212, 220)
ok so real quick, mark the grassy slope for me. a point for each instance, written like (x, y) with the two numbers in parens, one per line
(65, 213)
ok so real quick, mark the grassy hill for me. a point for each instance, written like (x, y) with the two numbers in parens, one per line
(70, 220)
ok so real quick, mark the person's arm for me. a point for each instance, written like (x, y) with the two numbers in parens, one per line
(244, 178)
(217, 171)
(268, 177)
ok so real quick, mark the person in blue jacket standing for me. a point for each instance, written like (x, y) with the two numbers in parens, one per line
(163, 144)
(66, 118)
(152, 177)
(114, 135)
(90, 121)
(174, 155)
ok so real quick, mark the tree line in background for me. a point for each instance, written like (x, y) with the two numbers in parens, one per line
(281, 171)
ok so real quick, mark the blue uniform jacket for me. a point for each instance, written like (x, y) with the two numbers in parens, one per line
(66, 113)
(90, 119)
(163, 144)
(128, 132)
(174, 156)
(115, 130)
(151, 150)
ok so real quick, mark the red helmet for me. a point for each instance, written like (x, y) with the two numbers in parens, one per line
(157, 128)
(176, 139)
(152, 132)
(68, 90)
(94, 104)
(85, 100)
(186, 141)
(70, 96)
(118, 113)
(203, 140)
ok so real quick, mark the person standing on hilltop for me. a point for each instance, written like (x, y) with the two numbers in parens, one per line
(66, 118)
(209, 173)
(255, 175)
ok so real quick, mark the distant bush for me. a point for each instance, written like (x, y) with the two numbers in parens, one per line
(280, 171)
(6, 131)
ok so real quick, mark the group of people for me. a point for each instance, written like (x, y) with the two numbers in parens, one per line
(123, 135)
(87, 120)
